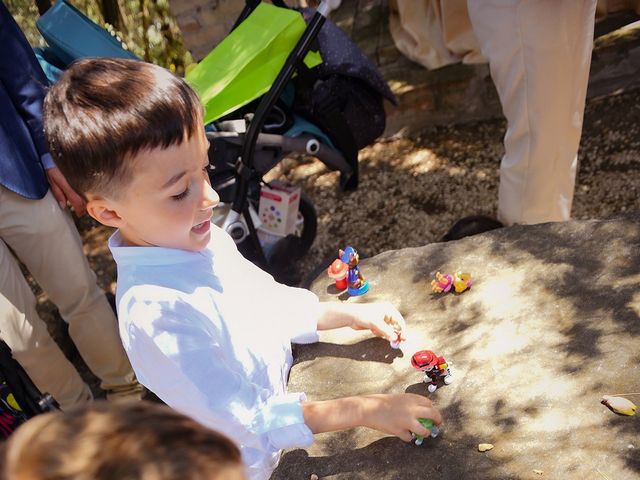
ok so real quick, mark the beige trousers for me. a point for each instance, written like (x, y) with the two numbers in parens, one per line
(45, 239)
(539, 54)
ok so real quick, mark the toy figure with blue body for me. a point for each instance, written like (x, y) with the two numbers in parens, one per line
(356, 284)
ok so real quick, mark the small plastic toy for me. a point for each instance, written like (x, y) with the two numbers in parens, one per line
(461, 281)
(426, 423)
(434, 368)
(442, 283)
(356, 284)
(338, 271)
(397, 328)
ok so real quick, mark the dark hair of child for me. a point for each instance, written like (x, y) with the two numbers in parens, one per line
(103, 111)
(124, 441)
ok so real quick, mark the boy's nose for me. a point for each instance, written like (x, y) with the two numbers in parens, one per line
(210, 198)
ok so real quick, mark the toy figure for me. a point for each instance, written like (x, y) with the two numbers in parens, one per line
(442, 283)
(338, 271)
(397, 328)
(356, 284)
(461, 281)
(434, 368)
(426, 423)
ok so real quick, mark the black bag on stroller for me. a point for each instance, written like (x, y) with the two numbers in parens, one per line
(20, 399)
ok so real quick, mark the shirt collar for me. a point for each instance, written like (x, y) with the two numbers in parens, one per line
(127, 255)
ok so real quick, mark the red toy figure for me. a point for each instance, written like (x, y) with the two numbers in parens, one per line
(434, 368)
(338, 271)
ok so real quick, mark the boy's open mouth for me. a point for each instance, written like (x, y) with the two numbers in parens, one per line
(202, 227)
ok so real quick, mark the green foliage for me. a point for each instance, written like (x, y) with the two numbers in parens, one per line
(148, 28)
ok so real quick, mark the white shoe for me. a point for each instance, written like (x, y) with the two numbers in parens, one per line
(432, 388)
(448, 380)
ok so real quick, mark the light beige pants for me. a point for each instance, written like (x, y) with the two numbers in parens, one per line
(539, 55)
(45, 239)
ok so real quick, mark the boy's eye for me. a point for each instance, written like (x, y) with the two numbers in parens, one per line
(182, 195)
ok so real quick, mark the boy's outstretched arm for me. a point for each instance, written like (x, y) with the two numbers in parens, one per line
(362, 316)
(396, 414)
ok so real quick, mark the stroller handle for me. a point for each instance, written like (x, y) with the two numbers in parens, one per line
(266, 104)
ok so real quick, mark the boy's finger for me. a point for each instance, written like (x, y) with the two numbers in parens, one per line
(433, 414)
(406, 436)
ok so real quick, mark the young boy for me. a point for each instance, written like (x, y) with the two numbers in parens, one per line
(205, 329)
(125, 441)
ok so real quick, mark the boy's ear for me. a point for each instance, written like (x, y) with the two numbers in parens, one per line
(104, 212)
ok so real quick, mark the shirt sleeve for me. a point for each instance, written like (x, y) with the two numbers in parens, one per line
(27, 84)
(47, 161)
(297, 309)
(182, 358)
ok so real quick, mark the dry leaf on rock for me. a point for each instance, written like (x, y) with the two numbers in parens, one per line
(619, 405)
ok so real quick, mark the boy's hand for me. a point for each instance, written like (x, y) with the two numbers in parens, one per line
(398, 414)
(383, 319)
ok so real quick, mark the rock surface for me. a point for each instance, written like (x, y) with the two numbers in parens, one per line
(550, 325)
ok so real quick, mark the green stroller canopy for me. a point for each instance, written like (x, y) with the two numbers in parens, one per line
(244, 65)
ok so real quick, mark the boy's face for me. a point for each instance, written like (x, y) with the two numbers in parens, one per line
(169, 201)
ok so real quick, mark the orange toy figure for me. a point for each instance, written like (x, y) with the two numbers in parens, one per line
(442, 283)
(434, 368)
(397, 328)
(461, 281)
(338, 271)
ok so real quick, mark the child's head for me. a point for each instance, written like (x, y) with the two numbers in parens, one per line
(125, 441)
(128, 136)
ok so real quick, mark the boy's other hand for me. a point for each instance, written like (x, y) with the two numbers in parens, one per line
(383, 319)
(398, 414)
(63, 192)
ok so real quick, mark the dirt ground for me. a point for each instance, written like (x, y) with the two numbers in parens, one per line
(413, 189)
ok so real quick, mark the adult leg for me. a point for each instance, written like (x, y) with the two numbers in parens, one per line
(539, 54)
(46, 240)
(26, 334)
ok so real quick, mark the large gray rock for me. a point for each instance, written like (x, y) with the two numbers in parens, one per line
(549, 326)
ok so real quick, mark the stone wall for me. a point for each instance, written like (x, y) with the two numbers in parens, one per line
(205, 22)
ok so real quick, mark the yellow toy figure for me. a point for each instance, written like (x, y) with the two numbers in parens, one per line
(461, 281)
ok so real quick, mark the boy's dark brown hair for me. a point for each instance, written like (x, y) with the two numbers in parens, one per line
(103, 111)
(126, 441)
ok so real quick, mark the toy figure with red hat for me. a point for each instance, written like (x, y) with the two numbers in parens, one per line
(434, 368)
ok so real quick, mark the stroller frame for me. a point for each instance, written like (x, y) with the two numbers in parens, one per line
(246, 171)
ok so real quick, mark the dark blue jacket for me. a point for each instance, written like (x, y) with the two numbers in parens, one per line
(23, 86)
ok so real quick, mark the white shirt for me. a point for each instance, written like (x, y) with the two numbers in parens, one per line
(210, 334)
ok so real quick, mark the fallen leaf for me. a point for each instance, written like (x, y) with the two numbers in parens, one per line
(619, 405)
(483, 447)
(538, 472)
